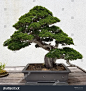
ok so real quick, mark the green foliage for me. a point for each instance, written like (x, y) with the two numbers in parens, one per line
(18, 41)
(36, 25)
(2, 66)
(7, 42)
(48, 20)
(17, 45)
(53, 29)
(38, 11)
(22, 36)
(65, 53)
(37, 18)
(34, 15)
(71, 54)
(38, 8)
(56, 34)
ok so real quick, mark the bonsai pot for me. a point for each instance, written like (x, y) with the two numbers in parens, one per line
(3, 73)
(46, 76)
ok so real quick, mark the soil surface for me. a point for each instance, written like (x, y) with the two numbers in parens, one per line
(36, 67)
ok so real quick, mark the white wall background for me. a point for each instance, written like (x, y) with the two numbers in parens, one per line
(72, 14)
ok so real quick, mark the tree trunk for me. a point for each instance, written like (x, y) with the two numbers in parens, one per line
(49, 62)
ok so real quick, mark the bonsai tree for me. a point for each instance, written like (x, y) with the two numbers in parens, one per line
(36, 27)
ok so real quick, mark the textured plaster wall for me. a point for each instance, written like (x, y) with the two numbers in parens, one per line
(72, 14)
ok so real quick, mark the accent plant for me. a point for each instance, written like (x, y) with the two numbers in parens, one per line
(2, 66)
(2, 71)
(36, 27)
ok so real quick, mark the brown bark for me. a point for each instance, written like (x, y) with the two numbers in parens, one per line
(72, 65)
(49, 62)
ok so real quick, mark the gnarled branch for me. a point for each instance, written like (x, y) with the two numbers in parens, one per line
(67, 61)
(45, 46)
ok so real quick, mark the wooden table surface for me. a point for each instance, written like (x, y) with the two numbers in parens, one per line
(16, 77)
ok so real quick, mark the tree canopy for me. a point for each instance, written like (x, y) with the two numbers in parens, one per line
(36, 27)
(64, 53)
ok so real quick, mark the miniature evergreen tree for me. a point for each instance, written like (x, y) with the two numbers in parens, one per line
(36, 27)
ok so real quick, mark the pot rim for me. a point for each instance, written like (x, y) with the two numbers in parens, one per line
(47, 71)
